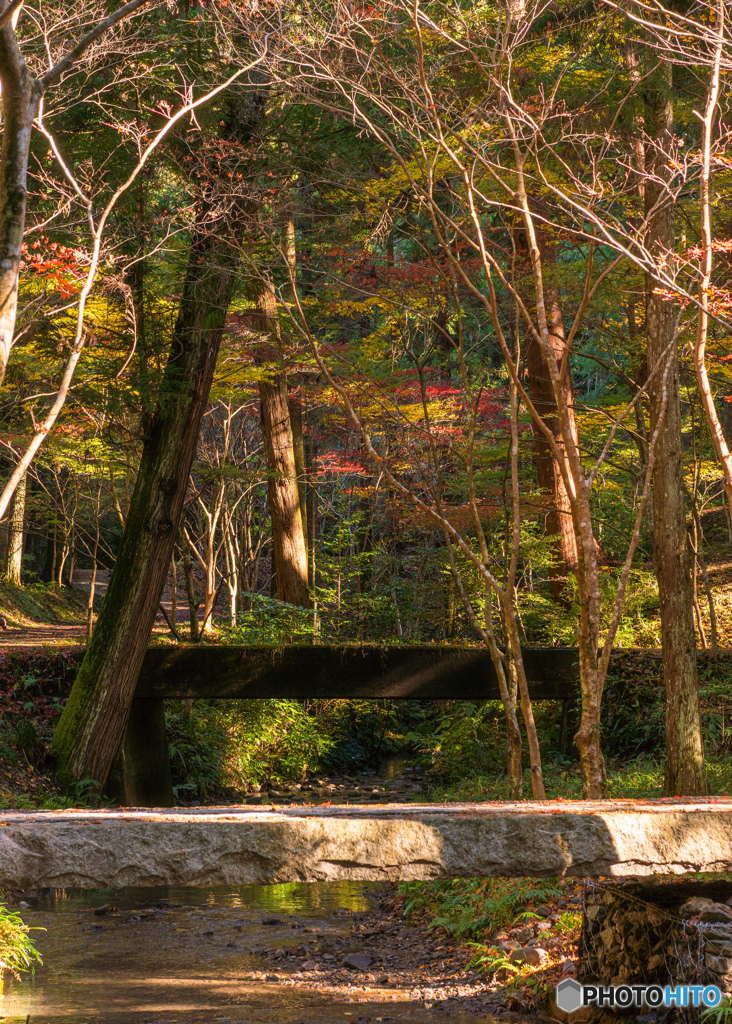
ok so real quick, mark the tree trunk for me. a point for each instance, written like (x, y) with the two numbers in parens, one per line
(311, 502)
(16, 534)
(185, 553)
(20, 97)
(298, 449)
(685, 769)
(557, 515)
(290, 550)
(92, 725)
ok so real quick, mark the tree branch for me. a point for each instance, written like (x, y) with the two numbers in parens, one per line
(86, 41)
(9, 11)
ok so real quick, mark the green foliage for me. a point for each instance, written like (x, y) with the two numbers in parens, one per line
(720, 1014)
(568, 921)
(17, 950)
(493, 963)
(476, 907)
(462, 738)
(219, 747)
(270, 622)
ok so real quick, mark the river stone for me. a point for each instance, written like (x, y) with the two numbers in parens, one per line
(310, 965)
(359, 961)
(693, 907)
(715, 912)
(533, 955)
(226, 846)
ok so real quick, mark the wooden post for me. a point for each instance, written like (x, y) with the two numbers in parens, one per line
(141, 774)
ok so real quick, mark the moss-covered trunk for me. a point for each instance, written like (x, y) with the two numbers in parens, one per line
(92, 725)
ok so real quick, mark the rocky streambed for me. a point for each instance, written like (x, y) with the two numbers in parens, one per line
(389, 786)
(285, 954)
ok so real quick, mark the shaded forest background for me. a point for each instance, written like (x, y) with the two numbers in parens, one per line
(371, 324)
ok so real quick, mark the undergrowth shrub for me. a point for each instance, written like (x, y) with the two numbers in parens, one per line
(471, 908)
(221, 746)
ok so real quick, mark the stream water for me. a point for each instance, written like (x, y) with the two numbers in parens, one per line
(189, 956)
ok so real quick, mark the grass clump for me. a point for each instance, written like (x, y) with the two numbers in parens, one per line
(17, 949)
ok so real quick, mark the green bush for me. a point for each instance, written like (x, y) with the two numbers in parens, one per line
(473, 908)
(17, 950)
(462, 738)
(220, 747)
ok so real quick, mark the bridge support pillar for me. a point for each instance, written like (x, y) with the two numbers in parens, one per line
(141, 774)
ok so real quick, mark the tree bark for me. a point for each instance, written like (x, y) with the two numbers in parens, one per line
(685, 769)
(290, 549)
(558, 513)
(16, 534)
(21, 94)
(93, 722)
(298, 449)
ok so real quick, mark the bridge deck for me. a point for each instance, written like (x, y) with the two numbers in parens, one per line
(232, 845)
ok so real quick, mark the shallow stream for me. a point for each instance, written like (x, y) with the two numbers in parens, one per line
(188, 956)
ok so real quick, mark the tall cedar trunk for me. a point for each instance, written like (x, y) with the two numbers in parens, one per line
(298, 449)
(311, 495)
(91, 727)
(16, 534)
(290, 550)
(557, 515)
(685, 769)
(20, 97)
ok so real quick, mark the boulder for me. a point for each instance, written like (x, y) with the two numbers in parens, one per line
(693, 907)
(716, 913)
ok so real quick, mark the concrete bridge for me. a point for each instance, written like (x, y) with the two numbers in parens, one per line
(232, 845)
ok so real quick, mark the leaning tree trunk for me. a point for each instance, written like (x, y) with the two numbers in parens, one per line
(298, 450)
(288, 537)
(20, 97)
(93, 722)
(685, 769)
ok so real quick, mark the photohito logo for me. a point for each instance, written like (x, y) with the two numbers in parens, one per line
(571, 995)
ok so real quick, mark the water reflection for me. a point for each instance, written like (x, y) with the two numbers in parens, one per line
(288, 898)
(188, 956)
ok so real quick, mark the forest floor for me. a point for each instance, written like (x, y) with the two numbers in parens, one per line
(42, 615)
(412, 955)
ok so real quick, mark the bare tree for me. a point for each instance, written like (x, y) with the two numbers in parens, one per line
(461, 161)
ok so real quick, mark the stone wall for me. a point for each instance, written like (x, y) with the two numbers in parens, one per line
(658, 932)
